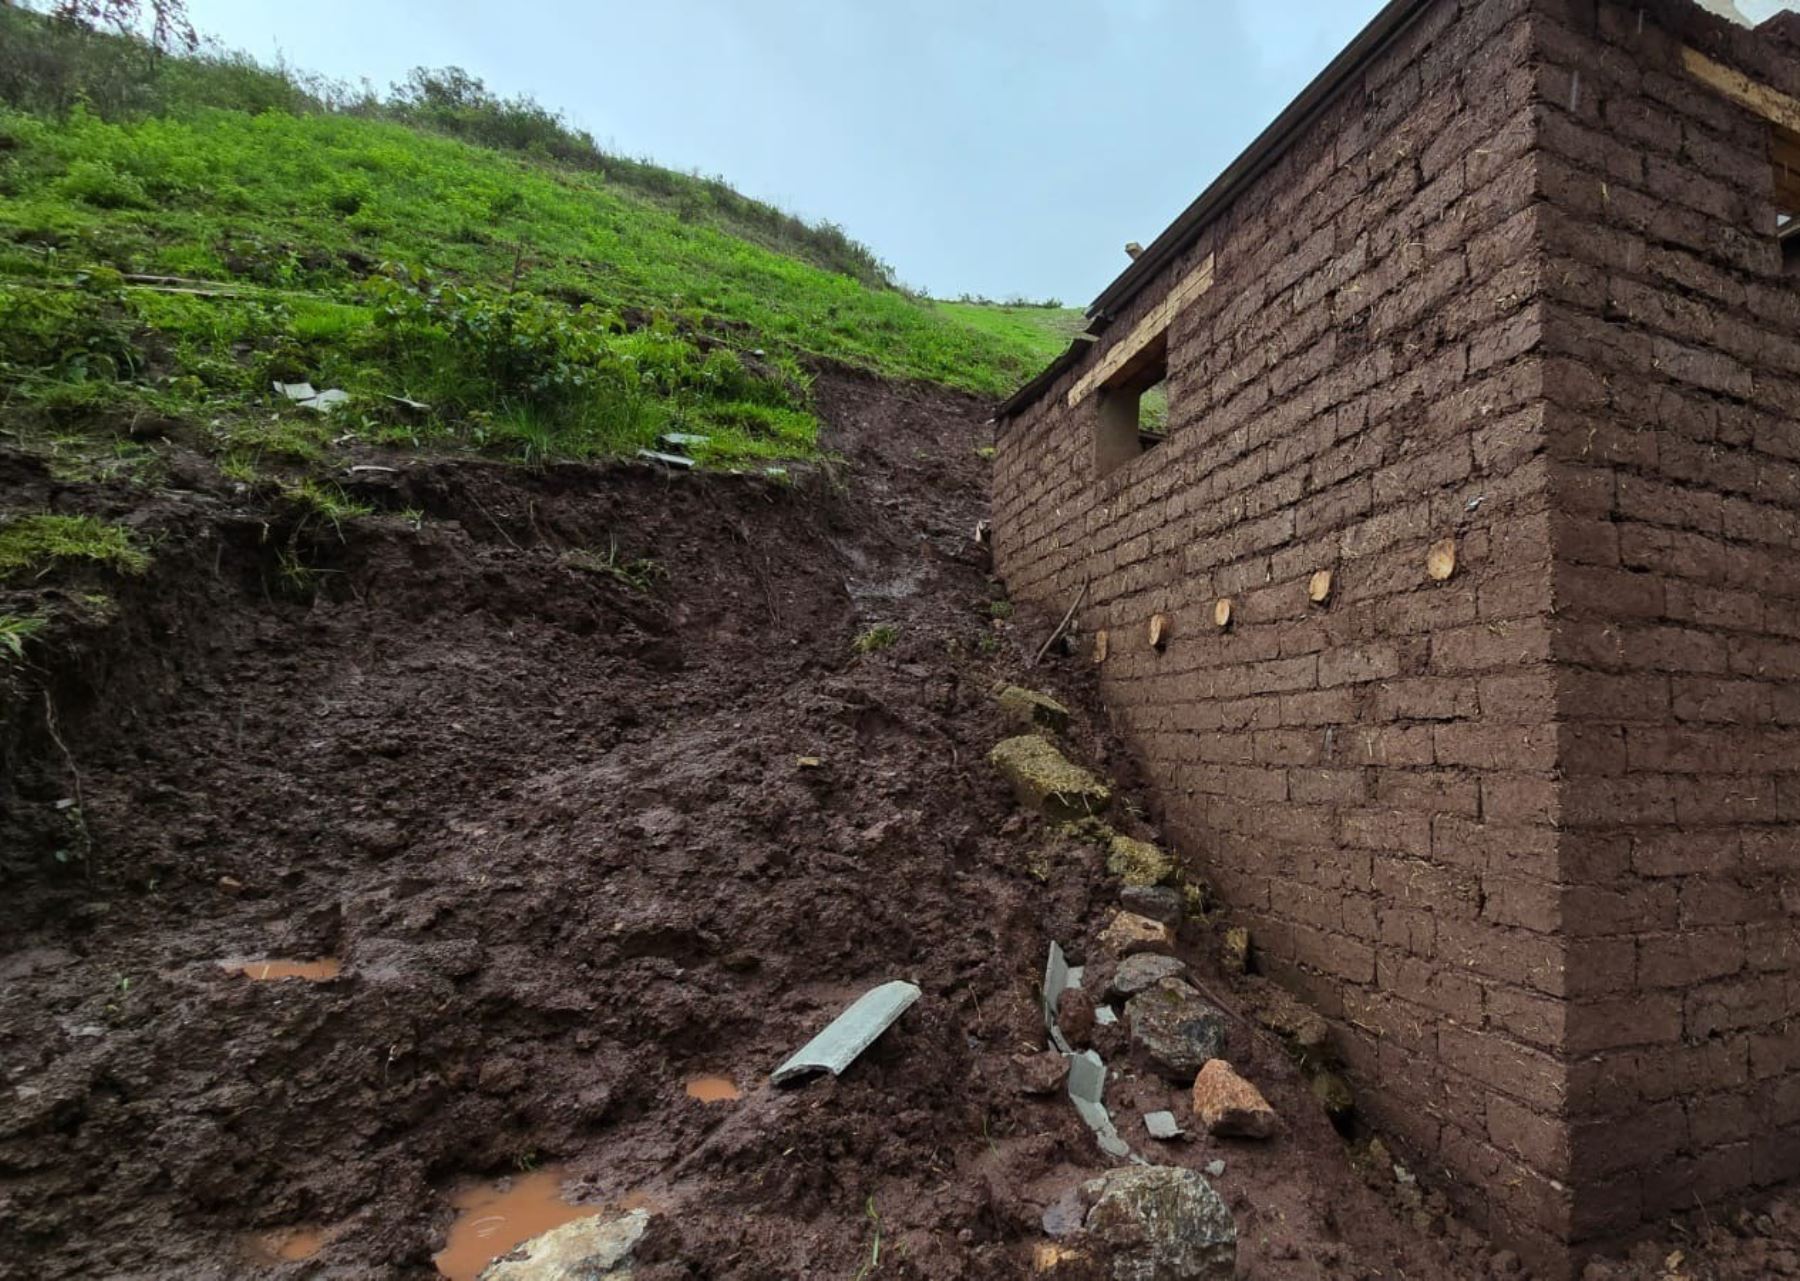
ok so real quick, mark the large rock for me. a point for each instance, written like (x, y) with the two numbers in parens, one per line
(1127, 934)
(1229, 1106)
(1160, 1223)
(1138, 863)
(1029, 709)
(1158, 902)
(1286, 1015)
(1146, 969)
(585, 1250)
(1176, 1029)
(1045, 780)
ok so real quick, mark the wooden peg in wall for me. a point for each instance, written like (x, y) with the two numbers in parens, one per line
(1222, 613)
(1440, 561)
(1100, 646)
(1159, 631)
(1318, 591)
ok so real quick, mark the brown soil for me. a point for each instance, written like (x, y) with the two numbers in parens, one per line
(555, 827)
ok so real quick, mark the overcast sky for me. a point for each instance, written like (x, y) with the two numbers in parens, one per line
(993, 147)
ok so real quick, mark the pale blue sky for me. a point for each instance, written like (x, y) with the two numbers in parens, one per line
(996, 147)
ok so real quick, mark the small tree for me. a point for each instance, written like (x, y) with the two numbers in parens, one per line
(170, 26)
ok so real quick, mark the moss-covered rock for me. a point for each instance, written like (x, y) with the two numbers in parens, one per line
(1045, 780)
(1138, 863)
(1029, 709)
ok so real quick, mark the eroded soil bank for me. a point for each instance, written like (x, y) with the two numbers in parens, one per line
(528, 769)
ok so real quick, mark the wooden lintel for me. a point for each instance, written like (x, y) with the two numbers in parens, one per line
(1768, 102)
(1127, 355)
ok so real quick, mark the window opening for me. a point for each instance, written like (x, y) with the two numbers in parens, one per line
(1785, 152)
(1132, 408)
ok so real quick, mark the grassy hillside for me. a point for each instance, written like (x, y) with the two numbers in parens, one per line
(176, 236)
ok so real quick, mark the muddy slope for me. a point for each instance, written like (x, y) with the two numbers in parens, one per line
(530, 768)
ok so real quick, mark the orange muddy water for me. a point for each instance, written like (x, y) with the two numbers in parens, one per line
(492, 1218)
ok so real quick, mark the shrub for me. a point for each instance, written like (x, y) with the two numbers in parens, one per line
(97, 183)
(72, 335)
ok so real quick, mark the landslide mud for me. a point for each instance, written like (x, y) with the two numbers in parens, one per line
(554, 826)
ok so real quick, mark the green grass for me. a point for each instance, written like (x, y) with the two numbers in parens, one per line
(877, 638)
(31, 545)
(15, 630)
(543, 299)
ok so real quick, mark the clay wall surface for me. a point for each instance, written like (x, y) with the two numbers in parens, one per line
(1370, 784)
(1673, 359)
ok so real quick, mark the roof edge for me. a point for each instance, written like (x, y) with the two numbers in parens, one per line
(1269, 146)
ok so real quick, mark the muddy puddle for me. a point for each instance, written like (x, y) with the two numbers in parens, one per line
(318, 971)
(492, 1218)
(713, 1089)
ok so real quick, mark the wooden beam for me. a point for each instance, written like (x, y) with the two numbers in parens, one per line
(1125, 356)
(1769, 103)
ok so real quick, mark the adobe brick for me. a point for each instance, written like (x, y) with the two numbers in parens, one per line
(1527, 1016)
(1496, 747)
(1539, 1141)
(1686, 853)
(1690, 957)
(1521, 799)
(1734, 1005)
(1530, 1076)
(1634, 1141)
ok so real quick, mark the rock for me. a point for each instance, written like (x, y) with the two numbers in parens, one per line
(1236, 950)
(1333, 1094)
(1054, 1260)
(1160, 1222)
(1146, 969)
(1042, 1073)
(1158, 902)
(1229, 1106)
(585, 1250)
(1127, 934)
(1045, 780)
(1176, 1029)
(1288, 1017)
(1216, 1169)
(1138, 863)
(1031, 710)
(1075, 1016)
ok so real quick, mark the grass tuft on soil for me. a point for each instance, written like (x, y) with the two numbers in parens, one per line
(15, 630)
(31, 545)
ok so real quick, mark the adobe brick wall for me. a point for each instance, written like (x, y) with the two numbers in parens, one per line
(1672, 338)
(1522, 835)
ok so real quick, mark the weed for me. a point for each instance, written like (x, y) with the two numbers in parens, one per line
(37, 544)
(986, 453)
(874, 1263)
(877, 638)
(639, 575)
(295, 577)
(1001, 609)
(14, 632)
(328, 501)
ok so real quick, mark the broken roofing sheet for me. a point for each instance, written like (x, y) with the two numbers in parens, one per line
(850, 1033)
(1087, 1071)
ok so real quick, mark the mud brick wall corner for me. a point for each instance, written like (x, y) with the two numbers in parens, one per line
(1525, 836)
